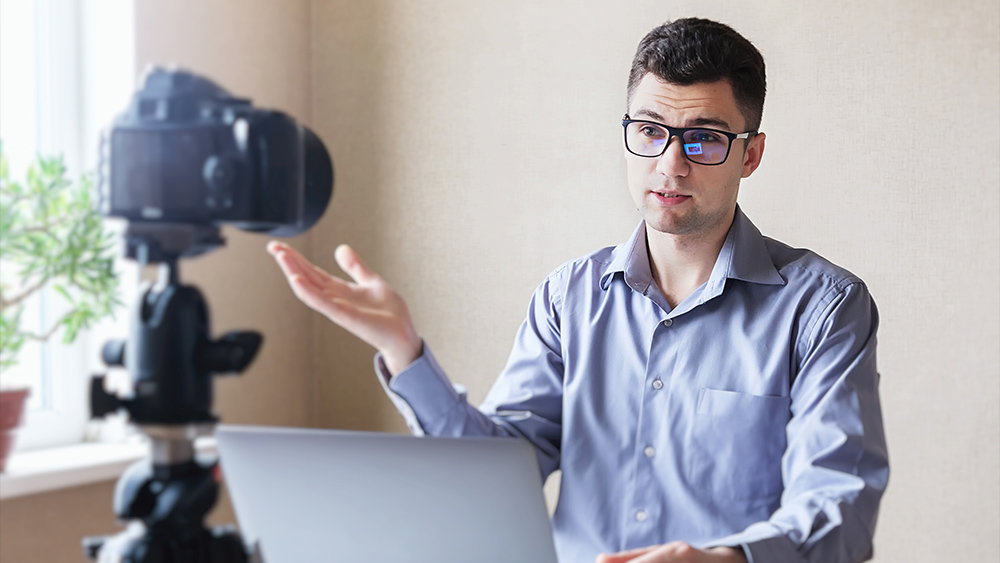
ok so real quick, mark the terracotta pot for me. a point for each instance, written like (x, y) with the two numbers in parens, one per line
(11, 408)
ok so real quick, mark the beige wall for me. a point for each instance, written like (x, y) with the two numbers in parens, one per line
(883, 154)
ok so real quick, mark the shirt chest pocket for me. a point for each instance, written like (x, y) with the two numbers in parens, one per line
(735, 444)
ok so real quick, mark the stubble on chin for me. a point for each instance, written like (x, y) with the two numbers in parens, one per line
(682, 223)
(671, 222)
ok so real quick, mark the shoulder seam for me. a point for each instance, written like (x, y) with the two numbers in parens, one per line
(558, 279)
(836, 280)
(822, 309)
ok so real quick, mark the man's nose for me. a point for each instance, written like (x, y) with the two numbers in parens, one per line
(673, 162)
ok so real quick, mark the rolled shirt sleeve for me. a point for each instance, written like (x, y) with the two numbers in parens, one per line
(835, 467)
(525, 402)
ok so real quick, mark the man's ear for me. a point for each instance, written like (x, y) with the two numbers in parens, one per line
(753, 154)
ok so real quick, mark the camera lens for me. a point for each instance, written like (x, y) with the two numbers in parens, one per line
(318, 186)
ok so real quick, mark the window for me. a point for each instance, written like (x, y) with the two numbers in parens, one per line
(66, 68)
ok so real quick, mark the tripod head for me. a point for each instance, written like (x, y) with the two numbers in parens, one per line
(170, 356)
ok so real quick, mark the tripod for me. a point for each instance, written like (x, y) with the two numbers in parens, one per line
(171, 361)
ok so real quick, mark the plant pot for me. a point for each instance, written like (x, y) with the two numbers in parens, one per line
(11, 409)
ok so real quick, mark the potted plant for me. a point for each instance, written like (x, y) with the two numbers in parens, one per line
(51, 236)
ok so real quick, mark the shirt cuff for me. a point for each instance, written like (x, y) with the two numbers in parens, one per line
(761, 543)
(777, 549)
(404, 409)
(421, 391)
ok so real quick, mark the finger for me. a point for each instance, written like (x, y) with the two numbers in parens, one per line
(350, 262)
(290, 267)
(623, 556)
(307, 292)
(285, 256)
(292, 263)
(674, 552)
(661, 555)
(320, 294)
(274, 246)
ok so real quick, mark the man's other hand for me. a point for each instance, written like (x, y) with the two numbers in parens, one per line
(675, 552)
(369, 307)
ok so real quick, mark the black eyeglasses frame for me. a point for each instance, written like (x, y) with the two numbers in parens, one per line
(679, 133)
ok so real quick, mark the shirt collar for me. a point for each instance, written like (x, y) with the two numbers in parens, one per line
(748, 257)
(632, 260)
(744, 256)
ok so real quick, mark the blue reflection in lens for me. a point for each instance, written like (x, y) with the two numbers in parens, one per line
(692, 148)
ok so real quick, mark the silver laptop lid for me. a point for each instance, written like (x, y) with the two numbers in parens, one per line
(328, 495)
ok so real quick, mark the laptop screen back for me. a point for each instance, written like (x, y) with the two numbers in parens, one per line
(327, 495)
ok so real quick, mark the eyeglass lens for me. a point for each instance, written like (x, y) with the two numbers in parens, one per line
(703, 146)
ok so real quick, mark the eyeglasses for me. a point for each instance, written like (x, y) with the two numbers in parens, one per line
(709, 147)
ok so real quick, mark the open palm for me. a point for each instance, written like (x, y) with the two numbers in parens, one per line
(368, 307)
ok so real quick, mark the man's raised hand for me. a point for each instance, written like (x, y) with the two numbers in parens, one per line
(368, 307)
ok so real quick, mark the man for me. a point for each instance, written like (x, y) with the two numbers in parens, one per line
(709, 394)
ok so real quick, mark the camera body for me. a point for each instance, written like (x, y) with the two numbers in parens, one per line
(188, 154)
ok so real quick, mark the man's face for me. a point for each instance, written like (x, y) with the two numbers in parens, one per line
(677, 196)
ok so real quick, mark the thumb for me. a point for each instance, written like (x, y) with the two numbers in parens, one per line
(350, 262)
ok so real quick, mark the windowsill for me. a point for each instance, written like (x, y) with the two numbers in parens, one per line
(50, 469)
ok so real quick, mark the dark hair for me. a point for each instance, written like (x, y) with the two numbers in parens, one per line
(694, 50)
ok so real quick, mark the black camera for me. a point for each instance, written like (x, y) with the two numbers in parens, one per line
(187, 156)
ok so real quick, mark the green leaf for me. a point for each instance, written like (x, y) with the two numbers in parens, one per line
(62, 291)
(50, 233)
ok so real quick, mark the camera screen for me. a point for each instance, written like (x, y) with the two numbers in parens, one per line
(158, 174)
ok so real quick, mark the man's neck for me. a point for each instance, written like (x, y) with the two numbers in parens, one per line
(680, 264)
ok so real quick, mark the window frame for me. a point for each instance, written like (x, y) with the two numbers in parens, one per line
(84, 53)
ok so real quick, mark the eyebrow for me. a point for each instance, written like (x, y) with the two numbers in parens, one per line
(696, 122)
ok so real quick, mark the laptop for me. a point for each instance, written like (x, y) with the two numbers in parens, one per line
(329, 495)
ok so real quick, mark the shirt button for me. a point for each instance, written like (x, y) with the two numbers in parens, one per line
(657, 384)
(650, 451)
(668, 322)
(640, 516)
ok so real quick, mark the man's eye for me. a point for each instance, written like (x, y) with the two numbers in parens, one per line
(703, 136)
(652, 132)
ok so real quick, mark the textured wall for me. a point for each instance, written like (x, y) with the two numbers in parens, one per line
(478, 148)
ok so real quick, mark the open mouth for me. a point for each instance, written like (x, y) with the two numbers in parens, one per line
(671, 199)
